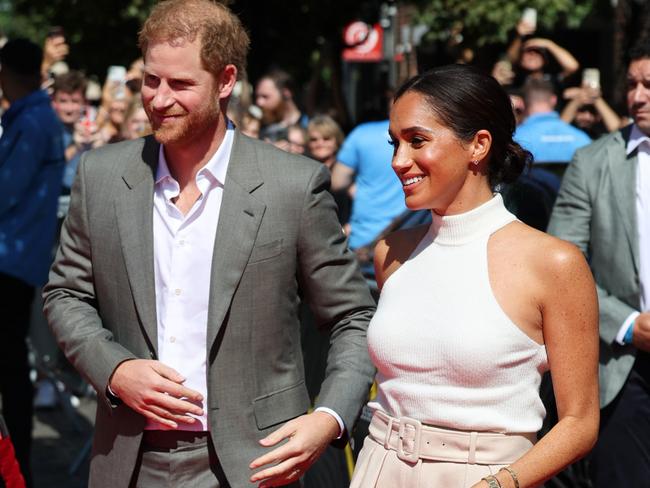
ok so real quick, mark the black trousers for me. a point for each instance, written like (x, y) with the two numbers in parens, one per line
(622, 454)
(15, 387)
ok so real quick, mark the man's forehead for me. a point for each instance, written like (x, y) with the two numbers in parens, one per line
(74, 94)
(639, 68)
(266, 85)
(166, 44)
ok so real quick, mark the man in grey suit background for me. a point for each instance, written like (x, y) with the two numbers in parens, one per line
(175, 288)
(604, 207)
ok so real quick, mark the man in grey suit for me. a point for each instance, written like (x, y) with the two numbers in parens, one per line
(604, 207)
(175, 288)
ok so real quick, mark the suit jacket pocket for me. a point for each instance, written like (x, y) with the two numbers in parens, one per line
(266, 251)
(281, 405)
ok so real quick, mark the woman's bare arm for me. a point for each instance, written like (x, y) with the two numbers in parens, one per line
(569, 307)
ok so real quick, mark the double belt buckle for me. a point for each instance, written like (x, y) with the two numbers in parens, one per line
(408, 444)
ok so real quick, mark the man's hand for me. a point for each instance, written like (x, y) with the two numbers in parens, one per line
(308, 437)
(641, 332)
(155, 391)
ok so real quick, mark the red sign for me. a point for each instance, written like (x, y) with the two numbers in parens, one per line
(365, 42)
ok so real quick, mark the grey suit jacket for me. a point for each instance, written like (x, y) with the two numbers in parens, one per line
(277, 233)
(596, 210)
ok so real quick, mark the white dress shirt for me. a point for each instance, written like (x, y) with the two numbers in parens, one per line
(183, 248)
(641, 141)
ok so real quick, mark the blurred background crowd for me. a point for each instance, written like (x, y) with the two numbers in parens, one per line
(319, 83)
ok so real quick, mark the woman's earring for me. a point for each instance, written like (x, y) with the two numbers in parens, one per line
(475, 162)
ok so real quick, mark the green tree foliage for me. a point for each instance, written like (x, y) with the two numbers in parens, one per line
(103, 32)
(489, 21)
(96, 30)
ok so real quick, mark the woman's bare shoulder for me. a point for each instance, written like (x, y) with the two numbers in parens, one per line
(392, 251)
(544, 253)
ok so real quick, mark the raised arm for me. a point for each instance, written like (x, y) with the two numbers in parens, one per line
(564, 58)
(611, 119)
(524, 29)
(590, 96)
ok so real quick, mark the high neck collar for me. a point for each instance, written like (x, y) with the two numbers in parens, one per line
(453, 230)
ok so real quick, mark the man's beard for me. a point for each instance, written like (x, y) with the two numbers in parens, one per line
(188, 126)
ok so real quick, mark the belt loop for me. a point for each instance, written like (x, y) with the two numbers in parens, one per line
(389, 431)
(473, 438)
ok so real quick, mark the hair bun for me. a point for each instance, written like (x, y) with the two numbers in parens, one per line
(514, 161)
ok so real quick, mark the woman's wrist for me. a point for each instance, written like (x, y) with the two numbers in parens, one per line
(507, 478)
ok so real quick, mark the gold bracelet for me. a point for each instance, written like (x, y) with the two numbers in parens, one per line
(492, 482)
(512, 474)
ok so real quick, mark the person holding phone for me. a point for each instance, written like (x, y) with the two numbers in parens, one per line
(55, 49)
(531, 56)
(588, 110)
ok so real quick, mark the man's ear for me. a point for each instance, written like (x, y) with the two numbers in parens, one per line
(227, 80)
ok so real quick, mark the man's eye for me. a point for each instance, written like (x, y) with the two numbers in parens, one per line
(179, 84)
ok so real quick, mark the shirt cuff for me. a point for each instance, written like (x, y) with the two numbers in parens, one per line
(629, 322)
(111, 392)
(336, 417)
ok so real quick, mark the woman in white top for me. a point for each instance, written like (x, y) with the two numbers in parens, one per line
(474, 308)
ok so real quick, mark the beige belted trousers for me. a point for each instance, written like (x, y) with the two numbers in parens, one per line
(404, 453)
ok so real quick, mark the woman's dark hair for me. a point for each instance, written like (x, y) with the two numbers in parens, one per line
(467, 100)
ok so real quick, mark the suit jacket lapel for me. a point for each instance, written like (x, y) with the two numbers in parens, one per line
(134, 207)
(239, 220)
(623, 171)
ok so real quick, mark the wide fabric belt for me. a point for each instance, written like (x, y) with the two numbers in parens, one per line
(414, 441)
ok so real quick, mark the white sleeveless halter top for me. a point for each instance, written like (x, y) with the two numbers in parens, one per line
(445, 351)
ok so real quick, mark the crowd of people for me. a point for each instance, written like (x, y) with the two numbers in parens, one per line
(196, 208)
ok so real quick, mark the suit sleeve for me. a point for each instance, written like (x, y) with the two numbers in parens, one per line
(69, 298)
(339, 298)
(571, 221)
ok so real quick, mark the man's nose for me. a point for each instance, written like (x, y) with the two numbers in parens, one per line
(163, 97)
(640, 93)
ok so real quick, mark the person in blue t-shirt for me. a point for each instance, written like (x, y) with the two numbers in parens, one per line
(31, 165)
(365, 162)
(544, 133)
